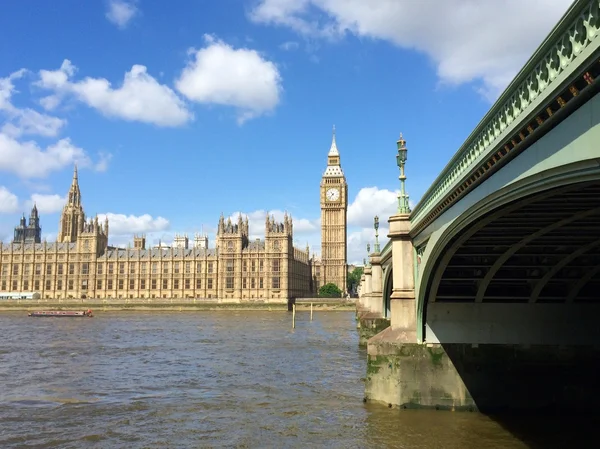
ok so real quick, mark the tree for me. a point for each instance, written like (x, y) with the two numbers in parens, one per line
(354, 278)
(330, 291)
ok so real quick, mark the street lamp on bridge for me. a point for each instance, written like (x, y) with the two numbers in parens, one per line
(403, 207)
(376, 225)
(368, 253)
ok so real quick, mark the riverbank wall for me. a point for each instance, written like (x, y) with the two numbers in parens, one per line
(304, 304)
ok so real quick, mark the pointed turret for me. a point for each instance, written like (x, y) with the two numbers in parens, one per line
(221, 227)
(74, 192)
(334, 168)
(333, 151)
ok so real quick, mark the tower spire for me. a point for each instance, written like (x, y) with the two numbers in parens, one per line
(72, 219)
(333, 151)
(334, 168)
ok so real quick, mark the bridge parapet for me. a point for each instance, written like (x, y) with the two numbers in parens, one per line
(553, 76)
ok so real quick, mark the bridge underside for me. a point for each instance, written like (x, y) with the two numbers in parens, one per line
(511, 314)
(512, 307)
(542, 249)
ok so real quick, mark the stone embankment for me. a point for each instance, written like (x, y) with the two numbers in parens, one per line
(180, 304)
(369, 324)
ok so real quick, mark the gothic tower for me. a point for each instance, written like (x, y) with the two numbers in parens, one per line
(31, 233)
(232, 239)
(34, 230)
(334, 208)
(72, 218)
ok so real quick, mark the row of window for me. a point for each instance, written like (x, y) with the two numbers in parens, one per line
(110, 267)
(85, 268)
(120, 284)
(153, 283)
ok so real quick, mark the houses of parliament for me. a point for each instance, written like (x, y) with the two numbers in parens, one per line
(82, 264)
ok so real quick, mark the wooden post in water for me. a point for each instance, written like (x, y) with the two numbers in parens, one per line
(294, 316)
(311, 311)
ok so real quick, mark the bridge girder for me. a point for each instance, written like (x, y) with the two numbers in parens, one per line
(538, 249)
(519, 236)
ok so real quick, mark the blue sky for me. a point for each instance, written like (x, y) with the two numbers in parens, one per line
(176, 112)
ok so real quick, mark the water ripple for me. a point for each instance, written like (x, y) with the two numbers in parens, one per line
(214, 379)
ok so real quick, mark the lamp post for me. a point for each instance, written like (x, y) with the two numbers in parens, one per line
(368, 253)
(376, 225)
(403, 207)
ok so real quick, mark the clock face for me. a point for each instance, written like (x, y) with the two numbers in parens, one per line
(332, 194)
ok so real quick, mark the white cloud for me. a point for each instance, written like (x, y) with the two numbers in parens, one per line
(121, 12)
(242, 78)
(28, 160)
(24, 121)
(358, 240)
(120, 224)
(9, 203)
(140, 97)
(46, 204)
(371, 201)
(468, 40)
(289, 46)
(102, 164)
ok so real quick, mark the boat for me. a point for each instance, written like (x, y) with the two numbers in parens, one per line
(62, 313)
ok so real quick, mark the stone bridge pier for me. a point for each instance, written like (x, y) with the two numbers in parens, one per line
(370, 314)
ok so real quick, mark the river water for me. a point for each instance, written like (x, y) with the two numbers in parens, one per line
(210, 380)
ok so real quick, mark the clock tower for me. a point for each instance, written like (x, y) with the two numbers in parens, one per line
(334, 208)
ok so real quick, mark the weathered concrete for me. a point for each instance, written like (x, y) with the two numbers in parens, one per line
(489, 378)
(402, 300)
(410, 375)
(376, 294)
(530, 323)
(370, 324)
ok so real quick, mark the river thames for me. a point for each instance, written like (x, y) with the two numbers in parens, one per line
(220, 379)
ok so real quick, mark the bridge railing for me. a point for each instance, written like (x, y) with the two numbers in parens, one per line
(571, 43)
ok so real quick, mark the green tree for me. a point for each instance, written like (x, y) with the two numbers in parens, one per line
(330, 291)
(354, 278)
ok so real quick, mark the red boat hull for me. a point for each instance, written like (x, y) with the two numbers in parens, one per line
(61, 314)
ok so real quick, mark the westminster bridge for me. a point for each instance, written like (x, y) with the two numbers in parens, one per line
(488, 291)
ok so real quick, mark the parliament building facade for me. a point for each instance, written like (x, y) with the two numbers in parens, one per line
(82, 264)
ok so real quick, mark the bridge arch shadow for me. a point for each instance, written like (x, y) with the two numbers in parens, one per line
(514, 300)
(388, 286)
(544, 248)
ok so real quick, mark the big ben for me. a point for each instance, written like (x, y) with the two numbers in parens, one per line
(334, 208)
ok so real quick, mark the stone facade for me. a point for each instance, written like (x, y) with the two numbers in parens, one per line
(81, 264)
